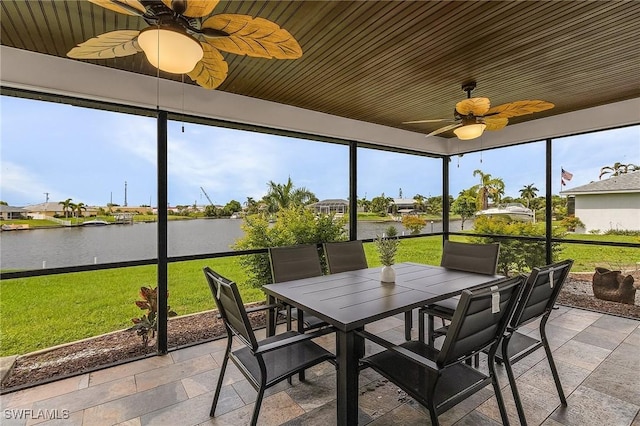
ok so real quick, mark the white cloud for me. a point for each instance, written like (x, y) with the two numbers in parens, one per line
(20, 186)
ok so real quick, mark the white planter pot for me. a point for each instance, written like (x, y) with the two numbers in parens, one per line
(388, 274)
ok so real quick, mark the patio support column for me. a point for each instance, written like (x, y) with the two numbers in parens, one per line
(162, 233)
(548, 205)
(353, 191)
(445, 198)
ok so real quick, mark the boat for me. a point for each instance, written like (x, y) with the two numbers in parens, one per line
(95, 223)
(512, 211)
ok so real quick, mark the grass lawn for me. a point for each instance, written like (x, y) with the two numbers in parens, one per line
(40, 312)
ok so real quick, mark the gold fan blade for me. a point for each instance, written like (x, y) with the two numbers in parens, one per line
(495, 123)
(517, 108)
(475, 106)
(113, 5)
(256, 37)
(437, 120)
(444, 129)
(196, 8)
(113, 44)
(212, 70)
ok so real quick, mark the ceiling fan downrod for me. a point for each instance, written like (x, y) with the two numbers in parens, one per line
(468, 87)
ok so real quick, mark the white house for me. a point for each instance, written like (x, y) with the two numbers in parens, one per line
(338, 206)
(612, 203)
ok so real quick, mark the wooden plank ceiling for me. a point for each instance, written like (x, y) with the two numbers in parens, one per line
(387, 62)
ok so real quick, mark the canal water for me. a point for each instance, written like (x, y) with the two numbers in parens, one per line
(60, 247)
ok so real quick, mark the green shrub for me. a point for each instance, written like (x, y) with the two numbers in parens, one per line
(625, 232)
(571, 223)
(292, 226)
(517, 256)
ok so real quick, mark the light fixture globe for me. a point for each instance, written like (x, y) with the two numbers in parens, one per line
(470, 131)
(170, 49)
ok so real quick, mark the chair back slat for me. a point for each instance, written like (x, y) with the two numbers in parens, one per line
(479, 258)
(294, 262)
(231, 308)
(541, 292)
(345, 256)
(474, 325)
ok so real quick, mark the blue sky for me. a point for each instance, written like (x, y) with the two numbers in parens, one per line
(88, 155)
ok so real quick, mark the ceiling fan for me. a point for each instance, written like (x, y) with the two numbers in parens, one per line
(473, 116)
(184, 38)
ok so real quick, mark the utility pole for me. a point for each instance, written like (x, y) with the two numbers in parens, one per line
(125, 193)
(46, 199)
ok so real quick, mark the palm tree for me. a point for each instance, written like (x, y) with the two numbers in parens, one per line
(618, 169)
(79, 207)
(281, 196)
(488, 188)
(66, 206)
(529, 192)
(363, 203)
(419, 202)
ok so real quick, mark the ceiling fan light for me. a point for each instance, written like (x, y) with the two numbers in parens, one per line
(170, 49)
(470, 131)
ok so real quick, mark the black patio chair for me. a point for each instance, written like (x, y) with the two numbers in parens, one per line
(441, 379)
(294, 263)
(538, 298)
(267, 362)
(345, 256)
(478, 258)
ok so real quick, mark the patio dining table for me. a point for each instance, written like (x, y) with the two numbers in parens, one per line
(350, 300)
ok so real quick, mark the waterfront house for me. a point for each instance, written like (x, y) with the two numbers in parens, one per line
(335, 205)
(608, 204)
(44, 210)
(10, 212)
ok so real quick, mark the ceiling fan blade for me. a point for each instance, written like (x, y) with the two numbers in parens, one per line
(250, 36)
(444, 129)
(195, 9)
(495, 123)
(437, 120)
(113, 44)
(212, 69)
(475, 106)
(514, 109)
(126, 7)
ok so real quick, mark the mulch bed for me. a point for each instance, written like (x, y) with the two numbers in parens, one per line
(121, 346)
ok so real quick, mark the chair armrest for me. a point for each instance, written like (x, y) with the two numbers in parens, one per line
(259, 308)
(268, 347)
(414, 357)
(264, 307)
(376, 339)
(400, 350)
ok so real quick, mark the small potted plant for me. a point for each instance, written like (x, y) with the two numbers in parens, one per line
(387, 246)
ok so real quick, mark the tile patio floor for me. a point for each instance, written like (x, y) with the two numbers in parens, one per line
(598, 357)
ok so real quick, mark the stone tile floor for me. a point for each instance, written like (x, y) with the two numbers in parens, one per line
(597, 356)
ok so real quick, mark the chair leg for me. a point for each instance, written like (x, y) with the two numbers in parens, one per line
(431, 331)
(552, 364)
(421, 330)
(300, 330)
(408, 324)
(512, 381)
(223, 368)
(496, 390)
(433, 412)
(256, 408)
(434, 417)
(288, 317)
